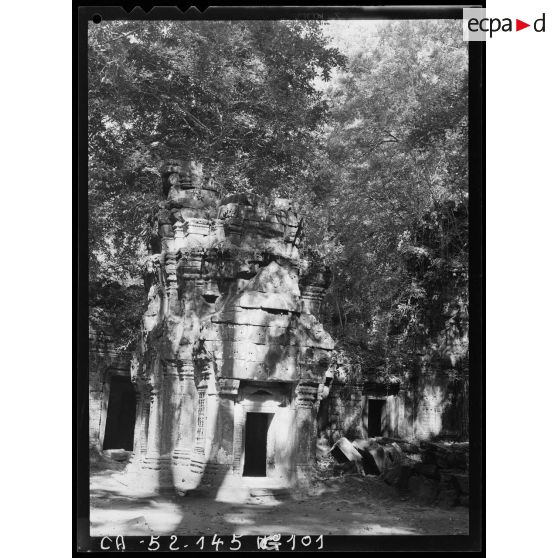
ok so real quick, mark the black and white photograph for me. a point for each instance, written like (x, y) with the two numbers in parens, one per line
(279, 278)
(278, 282)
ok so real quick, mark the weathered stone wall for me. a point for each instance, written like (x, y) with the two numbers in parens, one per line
(343, 413)
(435, 408)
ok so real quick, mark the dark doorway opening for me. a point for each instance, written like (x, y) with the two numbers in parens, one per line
(121, 415)
(376, 417)
(255, 449)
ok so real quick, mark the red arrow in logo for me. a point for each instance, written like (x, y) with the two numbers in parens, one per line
(519, 25)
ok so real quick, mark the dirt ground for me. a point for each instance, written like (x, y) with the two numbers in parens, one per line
(351, 505)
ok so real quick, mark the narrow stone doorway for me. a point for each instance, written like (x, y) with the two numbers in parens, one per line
(121, 415)
(255, 449)
(376, 417)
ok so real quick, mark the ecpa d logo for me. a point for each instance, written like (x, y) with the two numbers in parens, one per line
(476, 25)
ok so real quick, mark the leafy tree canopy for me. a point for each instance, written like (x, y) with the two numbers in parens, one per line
(390, 198)
(370, 138)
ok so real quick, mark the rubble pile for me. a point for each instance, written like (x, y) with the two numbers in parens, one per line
(432, 473)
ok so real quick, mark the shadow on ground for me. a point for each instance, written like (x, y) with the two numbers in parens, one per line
(350, 505)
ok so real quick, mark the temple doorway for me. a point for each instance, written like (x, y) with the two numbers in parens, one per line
(255, 452)
(121, 415)
(376, 417)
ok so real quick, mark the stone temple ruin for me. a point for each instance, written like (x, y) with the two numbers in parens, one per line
(232, 360)
(234, 374)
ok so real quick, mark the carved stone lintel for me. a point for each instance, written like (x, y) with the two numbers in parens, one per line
(191, 263)
(228, 386)
(198, 227)
(178, 234)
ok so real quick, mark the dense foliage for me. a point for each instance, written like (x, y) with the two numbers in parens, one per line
(392, 198)
(370, 140)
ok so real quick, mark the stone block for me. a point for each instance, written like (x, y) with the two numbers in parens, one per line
(379, 456)
(368, 462)
(344, 450)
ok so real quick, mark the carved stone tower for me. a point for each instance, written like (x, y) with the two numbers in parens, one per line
(232, 354)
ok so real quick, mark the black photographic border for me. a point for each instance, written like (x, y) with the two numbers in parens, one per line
(83, 12)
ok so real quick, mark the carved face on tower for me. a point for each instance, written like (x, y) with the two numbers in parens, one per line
(180, 175)
(188, 189)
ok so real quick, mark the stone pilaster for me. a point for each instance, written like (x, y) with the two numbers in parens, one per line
(306, 410)
(312, 298)
(141, 425)
(138, 424)
(171, 282)
(197, 462)
(227, 394)
(155, 420)
(314, 283)
(206, 423)
(238, 440)
(179, 236)
(187, 396)
(156, 467)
